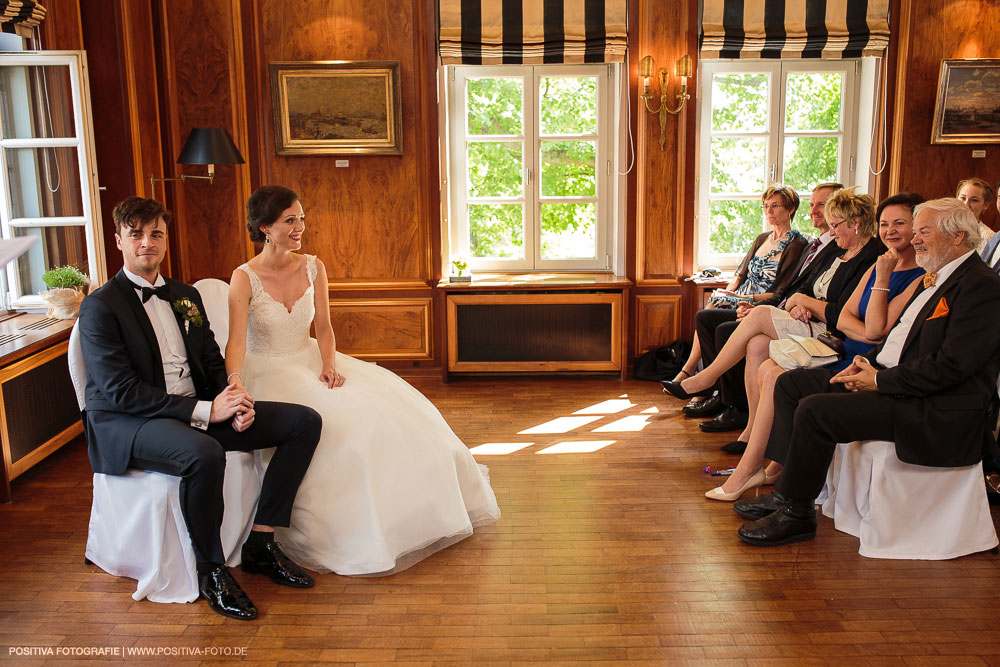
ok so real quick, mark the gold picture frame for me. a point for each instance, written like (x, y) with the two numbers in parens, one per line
(336, 107)
(967, 110)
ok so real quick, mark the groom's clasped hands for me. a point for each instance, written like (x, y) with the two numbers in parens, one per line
(234, 402)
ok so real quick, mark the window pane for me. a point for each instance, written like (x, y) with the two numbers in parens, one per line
(739, 164)
(568, 169)
(734, 225)
(36, 102)
(496, 231)
(809, 161)
(812, 100)
(569, 231)
(739, 102)
(494, 169)
(60, 246)
(494, 105)
(568, 104)
(44, 182)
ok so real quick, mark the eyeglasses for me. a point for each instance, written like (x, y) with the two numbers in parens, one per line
(771, 207)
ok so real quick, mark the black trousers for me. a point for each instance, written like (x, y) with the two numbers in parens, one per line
(715, 326)
(198, 457)
(810, 417)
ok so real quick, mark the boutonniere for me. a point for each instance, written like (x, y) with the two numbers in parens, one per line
(941, 310)
(189, 313)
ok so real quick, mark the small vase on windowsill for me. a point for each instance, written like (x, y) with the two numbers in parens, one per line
(66, 284)
(460, 279)
(460, 265)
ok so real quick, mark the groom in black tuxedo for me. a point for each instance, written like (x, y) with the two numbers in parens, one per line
(158, 399)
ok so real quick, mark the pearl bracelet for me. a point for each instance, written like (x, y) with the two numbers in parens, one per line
(881, 289)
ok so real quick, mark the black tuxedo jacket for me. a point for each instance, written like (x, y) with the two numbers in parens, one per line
(946, 378)
(803, 281)
(125, 385)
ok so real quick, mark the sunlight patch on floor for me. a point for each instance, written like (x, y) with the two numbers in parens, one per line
(651, 411)
(630, 423)
(559, 425)
(576, 447)
(494, 448)
(607, 407)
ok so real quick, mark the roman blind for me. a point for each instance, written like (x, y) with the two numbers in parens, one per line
(18, 17)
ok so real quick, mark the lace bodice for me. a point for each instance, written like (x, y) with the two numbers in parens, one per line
(272, 329)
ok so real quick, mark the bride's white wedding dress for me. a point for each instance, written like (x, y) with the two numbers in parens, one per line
(390, 483)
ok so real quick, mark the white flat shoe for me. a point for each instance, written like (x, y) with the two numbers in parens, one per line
(755, 480)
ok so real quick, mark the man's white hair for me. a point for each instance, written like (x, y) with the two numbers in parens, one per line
(954, 217)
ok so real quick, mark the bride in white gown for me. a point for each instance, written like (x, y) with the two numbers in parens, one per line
(390, 483)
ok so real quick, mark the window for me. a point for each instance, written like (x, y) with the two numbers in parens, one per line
(48, 187)
(530, 166)
(764, 122)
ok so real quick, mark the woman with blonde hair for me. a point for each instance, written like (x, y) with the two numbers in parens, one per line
(977, 194)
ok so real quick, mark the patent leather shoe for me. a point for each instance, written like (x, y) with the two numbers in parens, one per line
(755, 481)
(760, 507)
(735, 447)
(272, 561)
(677, 391)
(795, 521)
(225, 596)
(704, 409)
(730, 419)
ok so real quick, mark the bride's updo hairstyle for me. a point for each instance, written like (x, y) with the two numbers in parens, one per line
(264, 207)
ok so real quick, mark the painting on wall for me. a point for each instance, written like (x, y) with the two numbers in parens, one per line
(967, 110)
(336, 107)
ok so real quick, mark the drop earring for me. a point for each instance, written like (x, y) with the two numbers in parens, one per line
(267, 239)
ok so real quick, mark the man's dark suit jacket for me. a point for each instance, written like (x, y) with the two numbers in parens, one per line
(991, 246)
(125, 385)
(947, 372)
(803, 281)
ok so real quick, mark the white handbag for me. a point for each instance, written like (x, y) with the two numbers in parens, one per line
(801, 352)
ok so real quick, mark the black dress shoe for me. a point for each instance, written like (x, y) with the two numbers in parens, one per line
(225, 596)
(730, 419)
(677, 391)
(795, 521)
(274, 563)
(735, 447)
(759, 507)
(704, 409)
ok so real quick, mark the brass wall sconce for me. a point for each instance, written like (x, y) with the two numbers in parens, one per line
(646, 66)
(205, 145)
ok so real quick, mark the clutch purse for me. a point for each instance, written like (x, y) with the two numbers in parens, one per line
(802, 352)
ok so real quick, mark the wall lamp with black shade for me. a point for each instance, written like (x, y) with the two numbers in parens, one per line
(205, 145)
(646, 67)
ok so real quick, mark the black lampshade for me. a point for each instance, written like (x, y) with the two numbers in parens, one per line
(210, 145)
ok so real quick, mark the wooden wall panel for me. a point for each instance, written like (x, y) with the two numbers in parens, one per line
(658, 321)
(369, 222)
(971, 32)
(383, 328)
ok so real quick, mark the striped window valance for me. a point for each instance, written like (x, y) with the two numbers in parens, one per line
(794, 29)
(18, 17)
(495, 32)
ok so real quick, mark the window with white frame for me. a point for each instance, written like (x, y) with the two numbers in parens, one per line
(763, 122)
(47, 188)
(530, 166)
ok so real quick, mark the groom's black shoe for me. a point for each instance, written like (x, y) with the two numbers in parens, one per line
(225, 596)
(759, 507)
(270, 560)
(795, 521)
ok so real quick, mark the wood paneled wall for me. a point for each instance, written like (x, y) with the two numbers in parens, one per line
(932, 31)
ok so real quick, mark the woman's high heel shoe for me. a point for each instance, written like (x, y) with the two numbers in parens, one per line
(771, 479)
(755, 480)
(677, 391)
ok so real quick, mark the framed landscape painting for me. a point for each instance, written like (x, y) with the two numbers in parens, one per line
(967, 110)
(336, 107)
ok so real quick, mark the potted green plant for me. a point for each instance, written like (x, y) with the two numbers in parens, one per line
(65, 291)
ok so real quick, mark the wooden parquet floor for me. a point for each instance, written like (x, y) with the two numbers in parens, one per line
(605, 554)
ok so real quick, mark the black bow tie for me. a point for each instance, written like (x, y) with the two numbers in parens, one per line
(149, 292)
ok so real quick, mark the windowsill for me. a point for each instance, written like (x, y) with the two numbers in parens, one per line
(599, 280)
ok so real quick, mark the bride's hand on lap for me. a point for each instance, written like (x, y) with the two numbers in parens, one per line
(243, 420)
(229, 401)
(331, 378)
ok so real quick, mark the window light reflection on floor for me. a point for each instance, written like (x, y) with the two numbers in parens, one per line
(651, 411)
(496, 448)
(630, 423)
(610, 407)
(559, 425)
(576, 447)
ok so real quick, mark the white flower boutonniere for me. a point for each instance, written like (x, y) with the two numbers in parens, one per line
(189, 313)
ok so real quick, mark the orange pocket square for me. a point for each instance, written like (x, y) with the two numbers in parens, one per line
(941, 310)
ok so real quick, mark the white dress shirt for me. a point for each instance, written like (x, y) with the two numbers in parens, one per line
(176, 371)
(889, 355)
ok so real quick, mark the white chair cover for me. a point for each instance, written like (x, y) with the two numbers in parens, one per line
(137, 529)
(905, 511)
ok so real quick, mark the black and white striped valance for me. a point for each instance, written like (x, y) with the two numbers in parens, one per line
(18, 17)
(794, 28)
(497, 32)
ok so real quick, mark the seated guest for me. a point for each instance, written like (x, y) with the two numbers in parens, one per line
(812, 310)
(731, 401)
(991, 249)
(977, 195)
(770, 265)
(870, 313)
(926, 388)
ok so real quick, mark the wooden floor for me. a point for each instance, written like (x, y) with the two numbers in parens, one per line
(603, 556)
